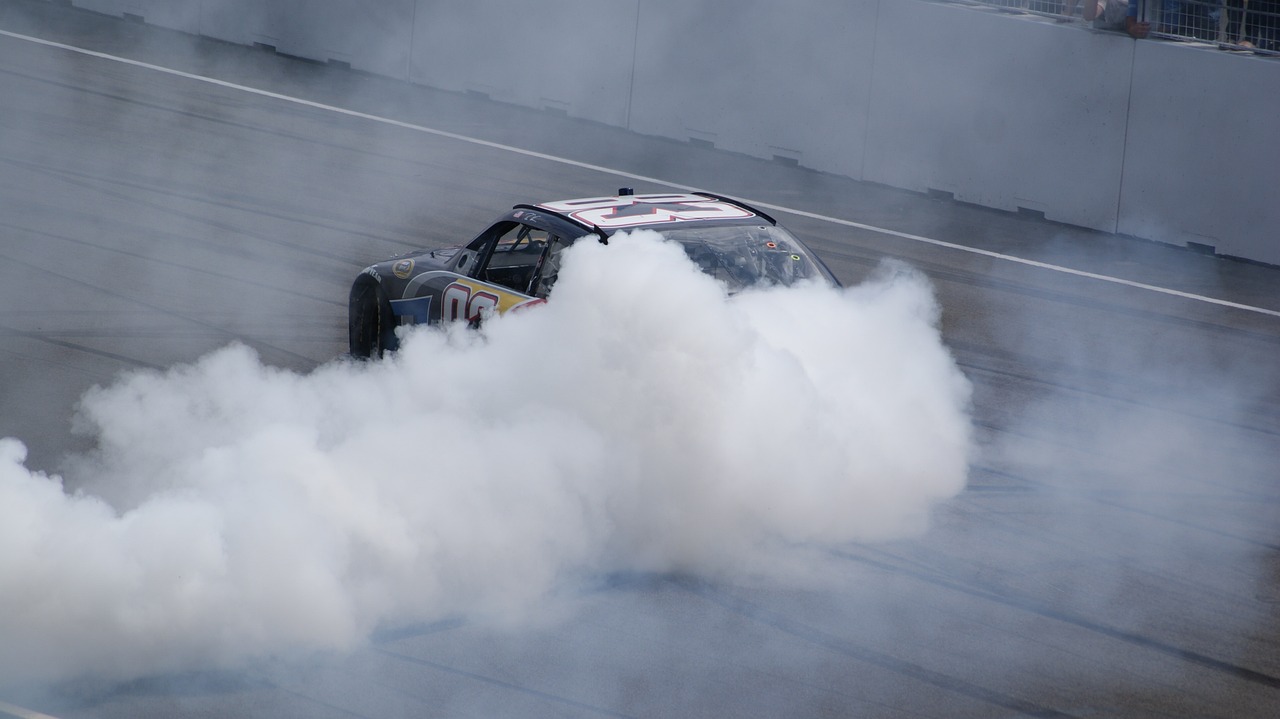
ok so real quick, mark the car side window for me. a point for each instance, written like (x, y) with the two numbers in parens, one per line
(549, 270)
(515, 258)
(470, 258)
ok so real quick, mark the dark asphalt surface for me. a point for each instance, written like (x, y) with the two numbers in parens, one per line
(1117, 551)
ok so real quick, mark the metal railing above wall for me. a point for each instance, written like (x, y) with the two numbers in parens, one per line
(1241, 25)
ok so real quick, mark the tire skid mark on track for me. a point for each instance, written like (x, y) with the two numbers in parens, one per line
(396, 634)
(93, 184)
(1108, 495)
(943, 273)
(1225, 491)
(45, 362)
(1102, 499)
(1018, 534)
(311, 699)
(40, 337)
(547, 696)
(802, 631)
(141, 334)
(972, 366)
(894, 564)
(1114, 498)
(307, 139)
(173, 265)
(65, 174)
(257, 345)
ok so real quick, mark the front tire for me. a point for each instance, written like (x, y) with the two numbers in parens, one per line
(371, 324)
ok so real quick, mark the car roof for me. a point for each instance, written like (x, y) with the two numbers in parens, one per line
(625, 211)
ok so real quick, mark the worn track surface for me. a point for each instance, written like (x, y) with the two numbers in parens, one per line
(1117, 551)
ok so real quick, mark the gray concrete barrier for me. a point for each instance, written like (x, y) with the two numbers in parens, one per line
(1202, 161)
(181, 15)
(573, 56)
(367, 35)
(758, 77)
(1159, 140)
(1005, 112)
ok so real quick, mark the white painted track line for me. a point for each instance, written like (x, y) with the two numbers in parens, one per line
(7, 709)
(643, 178)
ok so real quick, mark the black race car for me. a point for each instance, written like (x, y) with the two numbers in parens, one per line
(515, 261)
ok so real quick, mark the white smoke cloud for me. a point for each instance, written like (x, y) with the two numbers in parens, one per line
(641, 420)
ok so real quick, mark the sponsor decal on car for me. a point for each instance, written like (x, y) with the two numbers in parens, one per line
(415, 311)
(471, 300)
(403, 269)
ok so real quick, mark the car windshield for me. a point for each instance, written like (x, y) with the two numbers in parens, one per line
(746, 255)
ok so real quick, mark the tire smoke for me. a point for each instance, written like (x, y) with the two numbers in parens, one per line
(642, 420)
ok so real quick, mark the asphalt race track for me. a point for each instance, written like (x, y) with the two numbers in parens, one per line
(1116, 552)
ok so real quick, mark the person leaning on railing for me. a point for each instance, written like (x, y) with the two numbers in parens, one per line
(1088, 12)
(1120, 15)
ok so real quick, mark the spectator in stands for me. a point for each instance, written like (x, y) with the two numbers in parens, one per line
(1230, 21)
(1258, 24)
(1171, 20)
(1122, 15)
(1269, 25)
(1088, 12)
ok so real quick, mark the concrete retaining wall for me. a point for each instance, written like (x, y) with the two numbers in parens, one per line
(375, 36)
(574, 56)
(371, 35)
(1158, 140)
(1202, 161)
(1003, 112)
(179, 15)
(763, 79)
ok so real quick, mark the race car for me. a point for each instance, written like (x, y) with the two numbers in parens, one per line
(515, 261)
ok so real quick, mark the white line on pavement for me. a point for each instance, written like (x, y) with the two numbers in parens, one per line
(642, 178)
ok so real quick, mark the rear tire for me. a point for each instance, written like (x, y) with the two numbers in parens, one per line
(371, 324)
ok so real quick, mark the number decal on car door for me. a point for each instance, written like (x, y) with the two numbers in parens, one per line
(461, 302)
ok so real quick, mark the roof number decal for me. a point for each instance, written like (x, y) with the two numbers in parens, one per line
(637, 210)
